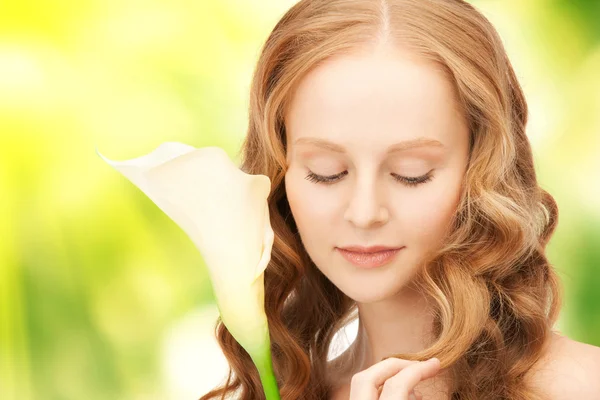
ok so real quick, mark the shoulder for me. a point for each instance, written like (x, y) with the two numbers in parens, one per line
(568, 370)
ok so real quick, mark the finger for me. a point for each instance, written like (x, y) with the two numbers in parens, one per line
(404, 381)
(418, 396)
(414, 395)
(365, 384)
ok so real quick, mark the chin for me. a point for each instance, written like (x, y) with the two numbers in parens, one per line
(364, 294)
(366, 298)
(375, 285)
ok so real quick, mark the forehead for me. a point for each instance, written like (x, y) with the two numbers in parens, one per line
(382, 95)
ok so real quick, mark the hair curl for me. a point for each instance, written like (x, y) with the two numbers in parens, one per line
(495, 295)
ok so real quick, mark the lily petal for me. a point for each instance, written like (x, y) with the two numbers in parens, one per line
(224, 211)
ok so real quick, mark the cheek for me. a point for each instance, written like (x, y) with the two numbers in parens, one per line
(313, 213)
(310, 203)
(432, 210)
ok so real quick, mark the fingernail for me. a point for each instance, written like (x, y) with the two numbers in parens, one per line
(434, 359)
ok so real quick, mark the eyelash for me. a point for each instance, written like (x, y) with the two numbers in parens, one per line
(405, 180)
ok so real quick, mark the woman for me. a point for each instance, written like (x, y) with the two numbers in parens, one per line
(403, 194)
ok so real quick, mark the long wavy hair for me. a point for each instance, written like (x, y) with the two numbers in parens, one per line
(495, 295)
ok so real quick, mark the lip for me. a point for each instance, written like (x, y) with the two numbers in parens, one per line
(369, 259)
(370, 249)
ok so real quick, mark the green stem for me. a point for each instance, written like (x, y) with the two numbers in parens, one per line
(264, 365)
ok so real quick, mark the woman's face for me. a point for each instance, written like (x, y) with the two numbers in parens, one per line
(346, 117)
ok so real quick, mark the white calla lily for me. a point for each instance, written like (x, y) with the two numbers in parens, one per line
(224, 211)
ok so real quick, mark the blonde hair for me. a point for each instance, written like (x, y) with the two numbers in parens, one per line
(494, 293)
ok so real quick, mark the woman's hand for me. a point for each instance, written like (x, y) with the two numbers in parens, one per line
(398, 377)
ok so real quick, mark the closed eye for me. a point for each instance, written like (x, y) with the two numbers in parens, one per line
(405, 180)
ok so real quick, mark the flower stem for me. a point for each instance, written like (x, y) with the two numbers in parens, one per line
(264, 365)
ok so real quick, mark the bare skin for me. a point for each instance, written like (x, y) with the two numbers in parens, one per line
(568, 370)
(398, 148)
(377, 152)
(430, 385)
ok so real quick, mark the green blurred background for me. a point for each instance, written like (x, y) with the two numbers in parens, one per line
(102, 296)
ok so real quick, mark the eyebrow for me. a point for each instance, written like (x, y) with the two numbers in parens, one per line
(397, 147)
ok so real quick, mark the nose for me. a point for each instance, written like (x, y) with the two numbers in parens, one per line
(365, 208)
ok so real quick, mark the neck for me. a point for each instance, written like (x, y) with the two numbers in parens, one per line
(392, 326)
(386, 328)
